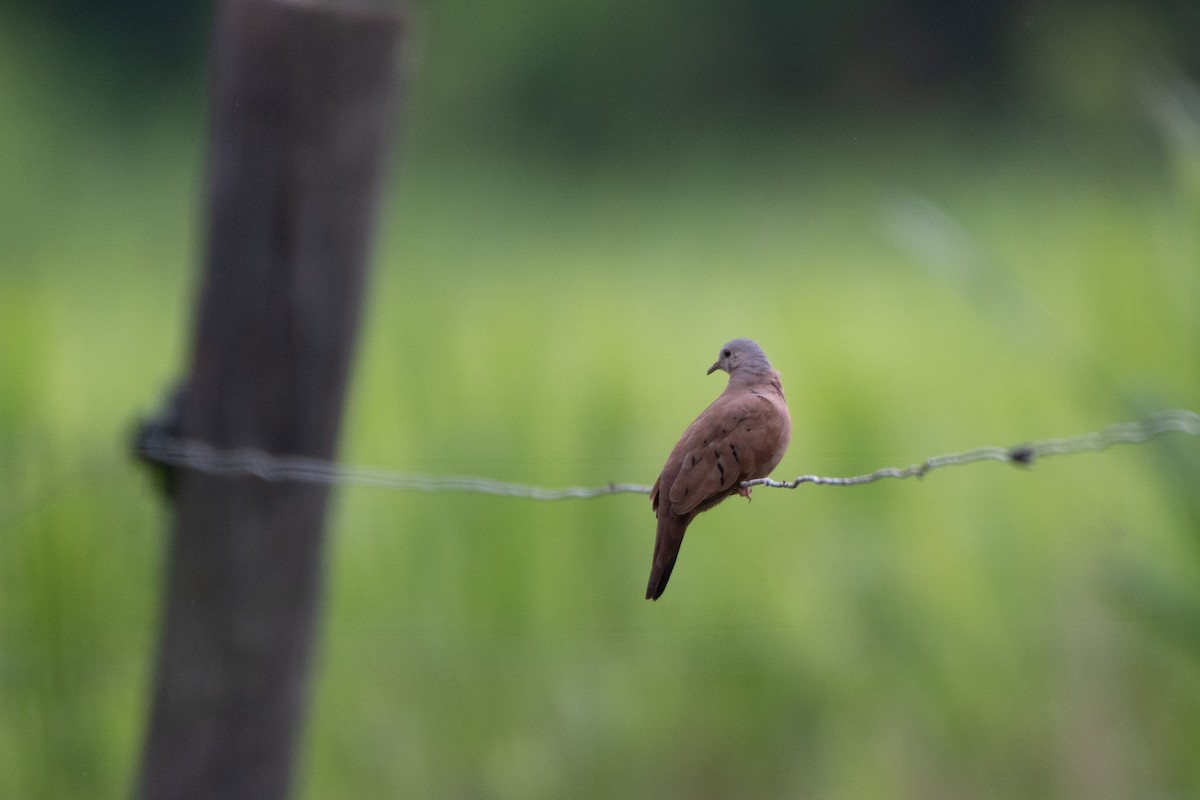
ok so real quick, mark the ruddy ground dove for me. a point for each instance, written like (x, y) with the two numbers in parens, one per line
(740, 437)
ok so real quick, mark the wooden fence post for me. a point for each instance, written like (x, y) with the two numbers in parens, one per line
(301, 101)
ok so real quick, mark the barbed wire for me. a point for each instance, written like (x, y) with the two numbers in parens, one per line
(156, 445)
(1170, 421)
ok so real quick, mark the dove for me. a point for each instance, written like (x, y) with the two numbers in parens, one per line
(741, 436)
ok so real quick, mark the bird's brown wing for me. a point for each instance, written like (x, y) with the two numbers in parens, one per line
(736, 438)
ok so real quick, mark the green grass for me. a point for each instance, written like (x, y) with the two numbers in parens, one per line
(984, 632)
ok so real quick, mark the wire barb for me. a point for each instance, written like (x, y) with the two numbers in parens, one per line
(155, 444)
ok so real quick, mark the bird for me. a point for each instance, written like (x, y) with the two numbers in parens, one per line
(741, 436)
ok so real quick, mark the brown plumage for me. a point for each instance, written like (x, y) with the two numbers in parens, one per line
(741, 436)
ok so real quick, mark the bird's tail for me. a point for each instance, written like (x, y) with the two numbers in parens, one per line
(666, 550)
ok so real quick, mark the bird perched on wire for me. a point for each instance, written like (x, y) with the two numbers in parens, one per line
(740, 437)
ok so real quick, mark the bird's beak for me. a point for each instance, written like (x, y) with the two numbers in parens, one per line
(713, 368)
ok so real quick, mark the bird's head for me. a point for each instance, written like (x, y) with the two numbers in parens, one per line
(742, 355)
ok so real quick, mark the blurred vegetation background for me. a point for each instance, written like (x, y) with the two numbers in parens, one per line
(948, 224)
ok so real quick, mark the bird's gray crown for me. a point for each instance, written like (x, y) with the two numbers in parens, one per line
(741, 356)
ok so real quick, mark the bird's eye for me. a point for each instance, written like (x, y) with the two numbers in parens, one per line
(727, 353)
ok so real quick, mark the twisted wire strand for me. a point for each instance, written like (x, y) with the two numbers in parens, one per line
(1170, 421)
(155, 445)
(160, 448)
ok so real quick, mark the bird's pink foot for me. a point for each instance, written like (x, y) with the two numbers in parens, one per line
(744, 491)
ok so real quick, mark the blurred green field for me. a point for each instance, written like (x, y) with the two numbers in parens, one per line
(923, 285)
